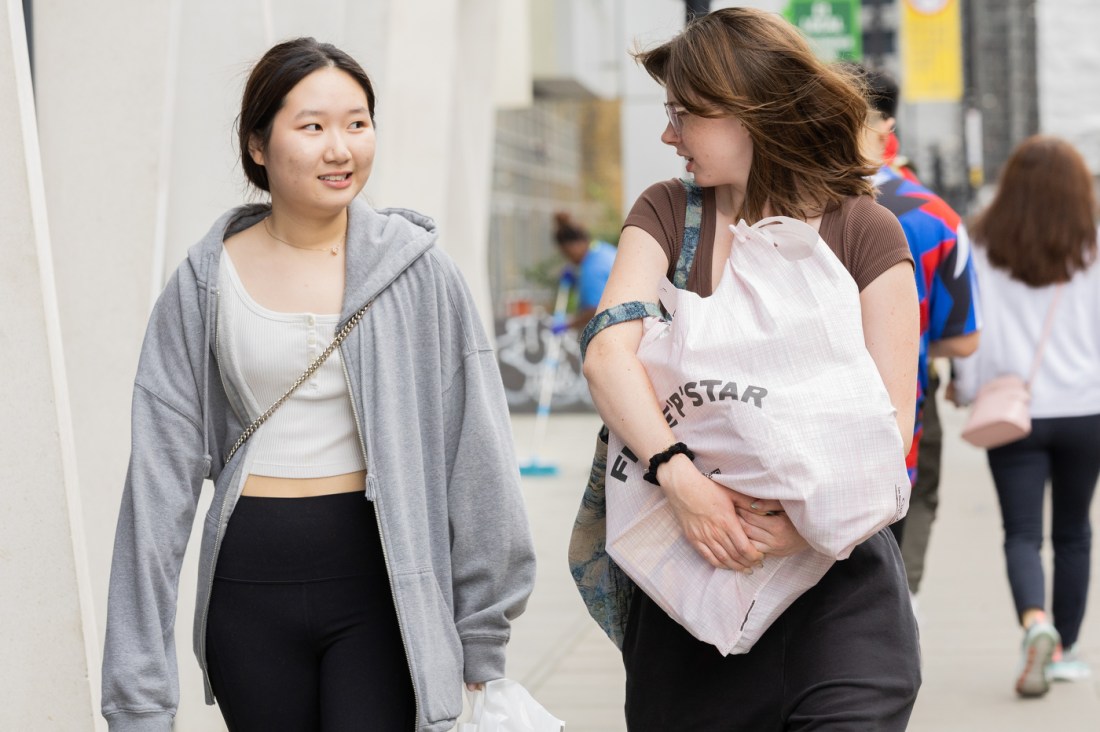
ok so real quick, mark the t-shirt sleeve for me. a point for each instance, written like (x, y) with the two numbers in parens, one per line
(953, 307)
(873, 242)
(660, 211)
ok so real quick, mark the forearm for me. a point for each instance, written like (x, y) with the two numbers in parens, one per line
(954, 347)
(484, 499)
(707, 512)
(625, 399)
(891, 330)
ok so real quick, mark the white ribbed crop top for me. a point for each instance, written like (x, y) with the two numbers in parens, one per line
(261, 353)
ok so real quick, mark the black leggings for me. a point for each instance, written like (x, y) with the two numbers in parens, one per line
(1065, 451)
(302, 632)
(843, 656)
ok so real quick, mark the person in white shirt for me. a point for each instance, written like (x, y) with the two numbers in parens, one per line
(1035, 249)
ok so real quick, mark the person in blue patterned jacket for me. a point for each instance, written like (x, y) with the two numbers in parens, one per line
(949, 313)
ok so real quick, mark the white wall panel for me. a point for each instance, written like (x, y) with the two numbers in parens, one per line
(645, 158)
(47, 632)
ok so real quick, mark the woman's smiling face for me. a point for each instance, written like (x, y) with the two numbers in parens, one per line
(718, 150)
(321, 148)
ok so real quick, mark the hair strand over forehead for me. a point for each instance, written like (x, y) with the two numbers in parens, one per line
(804, 117)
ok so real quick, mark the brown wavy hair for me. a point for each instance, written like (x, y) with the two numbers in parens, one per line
(1041, 224)
(804, 117)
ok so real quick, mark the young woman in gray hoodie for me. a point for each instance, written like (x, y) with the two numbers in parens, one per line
(367, 546)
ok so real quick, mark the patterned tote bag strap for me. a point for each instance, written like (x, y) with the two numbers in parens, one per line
(693, 224)
(605, 589)
(636, 309)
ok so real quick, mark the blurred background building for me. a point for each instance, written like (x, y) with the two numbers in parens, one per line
(492, 114)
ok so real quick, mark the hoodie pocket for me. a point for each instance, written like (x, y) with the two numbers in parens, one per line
(435, 651)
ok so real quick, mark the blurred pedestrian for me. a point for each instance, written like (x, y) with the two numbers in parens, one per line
(949, 309)
(767, 129)
(903, 165)
(367, 546)
(589, 266)
(1036, 256)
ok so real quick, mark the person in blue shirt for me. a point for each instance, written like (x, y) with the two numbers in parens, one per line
(589, 265)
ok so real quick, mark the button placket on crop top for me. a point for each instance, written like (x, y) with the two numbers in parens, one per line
(313, 434)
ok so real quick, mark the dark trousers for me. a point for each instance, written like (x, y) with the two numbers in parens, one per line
(844, 656)
(925, 499)
(914, 529)
(1065, 451)
(302, 632)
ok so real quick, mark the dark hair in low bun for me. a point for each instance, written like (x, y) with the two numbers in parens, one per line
(567, 230)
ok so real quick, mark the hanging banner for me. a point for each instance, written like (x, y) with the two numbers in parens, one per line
(931, 51)
(832, 27)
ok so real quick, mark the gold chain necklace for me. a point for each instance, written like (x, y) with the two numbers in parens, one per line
(333, 250)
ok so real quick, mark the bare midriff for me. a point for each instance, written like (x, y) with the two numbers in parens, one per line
(263, 486)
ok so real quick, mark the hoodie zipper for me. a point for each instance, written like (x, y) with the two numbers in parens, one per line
(207, 688)
(221, 527)
(385, 554)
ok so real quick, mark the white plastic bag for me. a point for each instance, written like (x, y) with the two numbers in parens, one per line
(769, 382)
(506, 706)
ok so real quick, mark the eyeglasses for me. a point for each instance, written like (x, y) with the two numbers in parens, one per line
(675, 117)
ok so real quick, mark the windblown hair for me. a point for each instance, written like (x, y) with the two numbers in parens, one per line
(272, 78)
(882, 90)
(567, 230)
(805, 118)
(1041, 224)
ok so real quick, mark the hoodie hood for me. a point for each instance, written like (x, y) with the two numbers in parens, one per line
(381, 244)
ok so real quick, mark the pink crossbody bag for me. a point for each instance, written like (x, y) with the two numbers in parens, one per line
(1001, 412)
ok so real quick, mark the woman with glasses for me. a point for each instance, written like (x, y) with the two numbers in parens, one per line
(766, 129)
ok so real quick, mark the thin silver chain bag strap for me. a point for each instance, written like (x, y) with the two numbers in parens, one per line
(301, 379)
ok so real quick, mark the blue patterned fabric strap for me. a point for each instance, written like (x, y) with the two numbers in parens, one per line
(693, 223)
(636, 309)
(621, 313)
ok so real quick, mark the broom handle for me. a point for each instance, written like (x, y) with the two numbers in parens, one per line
(550, 368)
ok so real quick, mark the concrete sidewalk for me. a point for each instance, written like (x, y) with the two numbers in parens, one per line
(969, 635)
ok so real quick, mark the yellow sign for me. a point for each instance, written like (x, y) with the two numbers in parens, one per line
(931, 51)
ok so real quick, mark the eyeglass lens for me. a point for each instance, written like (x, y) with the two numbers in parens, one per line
(673, 116)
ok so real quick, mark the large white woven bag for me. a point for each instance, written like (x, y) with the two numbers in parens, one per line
(770, 383)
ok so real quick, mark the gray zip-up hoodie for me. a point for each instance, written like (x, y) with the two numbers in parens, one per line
(436, 439)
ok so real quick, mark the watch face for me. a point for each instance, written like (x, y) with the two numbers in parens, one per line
(928, 6)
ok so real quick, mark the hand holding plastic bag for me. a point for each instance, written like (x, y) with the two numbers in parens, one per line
(505, 706)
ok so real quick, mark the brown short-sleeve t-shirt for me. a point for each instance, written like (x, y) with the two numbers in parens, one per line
(866, 238)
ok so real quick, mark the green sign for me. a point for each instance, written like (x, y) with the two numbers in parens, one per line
(831, 25)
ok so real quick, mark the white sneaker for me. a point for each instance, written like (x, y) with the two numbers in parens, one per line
(1040, 640)
(1067, 665)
